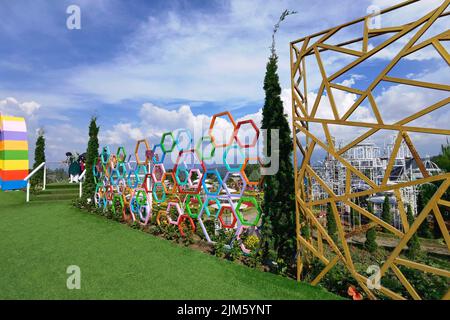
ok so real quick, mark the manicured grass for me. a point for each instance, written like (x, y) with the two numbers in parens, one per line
(39, 241)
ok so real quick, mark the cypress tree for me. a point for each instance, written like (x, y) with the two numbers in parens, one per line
(386, 214)
(413, 243)
(278, 225)
(355, 217)
(331, 223)
(426, 191)
(39, 157)
(91, 159)
(371, 235)
(437, 234)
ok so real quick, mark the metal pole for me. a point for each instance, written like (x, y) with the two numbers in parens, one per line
(28, 190)
(81, 188)
(148, 181)
(45, 177)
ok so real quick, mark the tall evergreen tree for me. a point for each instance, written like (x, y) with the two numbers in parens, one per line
(39, 157)
(426, 191)
(355, 217)
(371, 235)
(278, 225)
(331, 223)
(437, 234)
(91, 159)
(386, 213)
(413, 243)
(371, 240)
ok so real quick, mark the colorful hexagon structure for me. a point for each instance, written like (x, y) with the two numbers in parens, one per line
(193, 191)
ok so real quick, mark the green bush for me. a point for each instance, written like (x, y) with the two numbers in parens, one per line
(414, 249)
(337, 280)
(371, 243)
(331, 223)
(253, 260)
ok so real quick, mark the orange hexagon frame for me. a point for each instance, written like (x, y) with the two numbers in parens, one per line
(136, 152)
(249, 182)
(211, 127)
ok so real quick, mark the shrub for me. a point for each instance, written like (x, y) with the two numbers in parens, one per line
(331, 224)
(371, 243)
(413, 244)
(386, 213)
(251, 242)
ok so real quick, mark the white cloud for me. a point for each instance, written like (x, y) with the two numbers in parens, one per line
(406, 15)
(155, 120)
(10, 106)
(216, 56)
(121, 133)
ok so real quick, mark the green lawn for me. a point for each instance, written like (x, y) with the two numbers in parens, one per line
(38, 241)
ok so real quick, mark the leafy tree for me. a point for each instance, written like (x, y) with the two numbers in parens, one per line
(371, 235)
(386, 213)
(91, 159)
(255, 173)
(39, 157)
(331, 223)
(278, 224)
(413, 243)
(443, 159)
(306, 231)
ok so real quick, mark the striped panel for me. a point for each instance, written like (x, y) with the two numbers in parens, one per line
(9, 118)
(12, 185)
(13, 135)
(13, 145)
(14, 125)
(11, 175)
(14, 165)
(14, 154)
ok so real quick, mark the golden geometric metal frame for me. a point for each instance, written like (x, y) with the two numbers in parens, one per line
(304, 113)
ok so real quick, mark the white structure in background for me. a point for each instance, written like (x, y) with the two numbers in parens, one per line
(372, 161)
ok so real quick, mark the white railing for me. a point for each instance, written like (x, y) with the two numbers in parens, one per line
(27, 179)
(80, 181)
(44, 182)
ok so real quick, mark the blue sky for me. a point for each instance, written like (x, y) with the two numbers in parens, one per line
(144, 67)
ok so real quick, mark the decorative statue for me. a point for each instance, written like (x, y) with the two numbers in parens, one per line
(74, 167)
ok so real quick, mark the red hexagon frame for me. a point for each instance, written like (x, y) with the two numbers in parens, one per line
(224, 225)
(255, 139)
(180, 224)
(145, 185)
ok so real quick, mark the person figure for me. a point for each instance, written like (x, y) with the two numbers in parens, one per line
(74, 168)
(82, 162)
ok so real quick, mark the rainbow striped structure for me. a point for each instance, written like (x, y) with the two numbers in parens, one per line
(13, 153)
